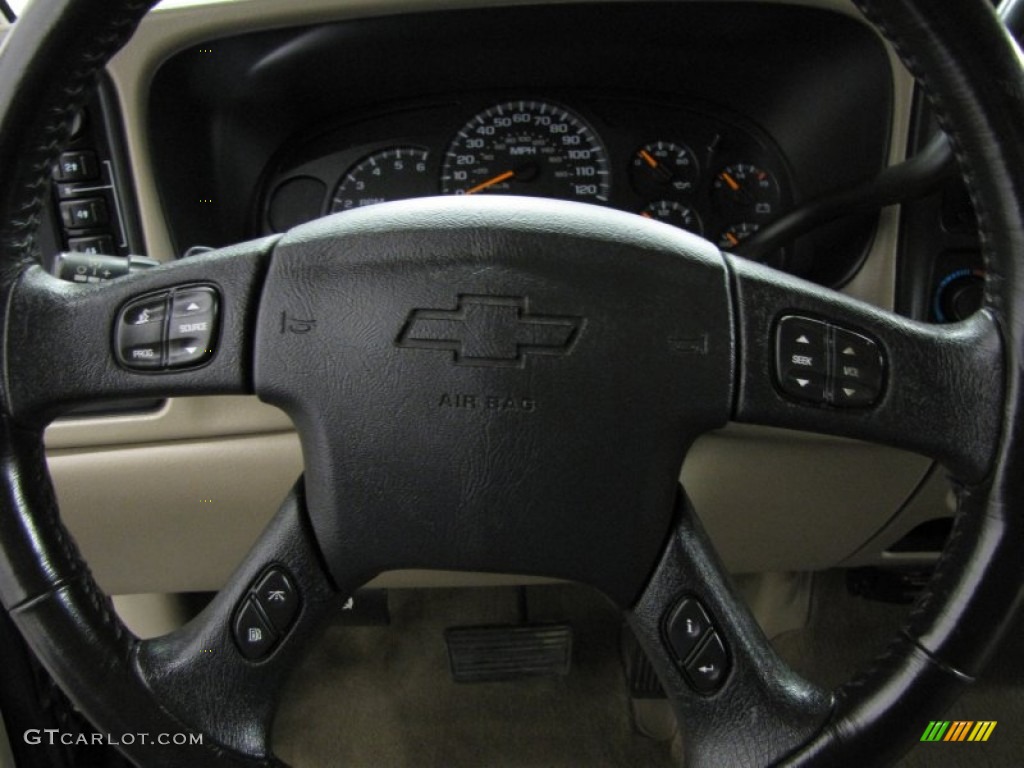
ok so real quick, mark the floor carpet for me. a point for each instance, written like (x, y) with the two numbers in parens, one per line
(382, 697)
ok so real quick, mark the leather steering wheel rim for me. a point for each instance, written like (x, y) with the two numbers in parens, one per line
(960, 54)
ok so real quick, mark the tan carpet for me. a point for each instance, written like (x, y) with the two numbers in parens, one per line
(382, 697)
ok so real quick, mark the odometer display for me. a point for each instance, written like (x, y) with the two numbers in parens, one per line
(527, 148)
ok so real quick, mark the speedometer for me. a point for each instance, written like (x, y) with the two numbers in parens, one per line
(527, 148)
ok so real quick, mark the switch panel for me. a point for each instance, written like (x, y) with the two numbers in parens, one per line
(169, 330)
(266, 613)
(699, 650)
(819, 362)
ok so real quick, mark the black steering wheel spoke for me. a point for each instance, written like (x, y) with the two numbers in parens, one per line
(181, 329)
(716, 664)
(223, 672)
(816, 360)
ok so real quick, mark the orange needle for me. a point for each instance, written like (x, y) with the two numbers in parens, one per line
(733, 240)
(490, 182)
(646, 215)
(648, 159)
(733, 184)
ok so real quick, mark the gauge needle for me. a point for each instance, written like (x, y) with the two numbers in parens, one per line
(648, 158)
(490, 182)
(660, 171)
(733, 240)
(733, 184)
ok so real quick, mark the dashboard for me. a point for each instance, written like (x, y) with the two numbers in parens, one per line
(702, 171)
(240, 119)
(714, 118)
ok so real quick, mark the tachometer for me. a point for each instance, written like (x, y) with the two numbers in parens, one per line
(397, 173)
(527, 148)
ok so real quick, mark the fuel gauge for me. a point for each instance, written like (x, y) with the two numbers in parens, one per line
(663, 167)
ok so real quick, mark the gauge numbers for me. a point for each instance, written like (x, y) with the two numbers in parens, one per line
(397, 173)
(527, 148)
(743, 190)
(664, 166)
(735, 234)
(677, 214)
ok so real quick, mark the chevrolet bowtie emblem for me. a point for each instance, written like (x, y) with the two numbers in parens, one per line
(490, 330)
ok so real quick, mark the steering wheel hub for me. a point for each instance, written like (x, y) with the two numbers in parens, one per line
(496, 384)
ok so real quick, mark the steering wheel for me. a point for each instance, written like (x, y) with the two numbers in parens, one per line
(511, 385)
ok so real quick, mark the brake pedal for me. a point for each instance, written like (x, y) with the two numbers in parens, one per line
(487, 654)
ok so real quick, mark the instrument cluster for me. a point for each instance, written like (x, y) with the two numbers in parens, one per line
(697, 168)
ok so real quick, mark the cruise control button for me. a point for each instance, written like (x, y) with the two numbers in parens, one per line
(278, 599)
(707, 671)
(685, 627)
(253, 635)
